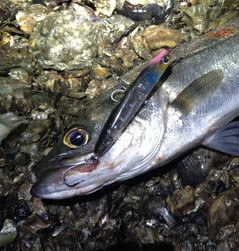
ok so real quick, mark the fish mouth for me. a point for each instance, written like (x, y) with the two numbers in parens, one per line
(66, 162)
(56, 181)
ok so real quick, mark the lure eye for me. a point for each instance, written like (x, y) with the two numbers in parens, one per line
(165, 60)
(76, 137)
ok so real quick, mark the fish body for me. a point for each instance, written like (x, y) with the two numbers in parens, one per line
(197, 100)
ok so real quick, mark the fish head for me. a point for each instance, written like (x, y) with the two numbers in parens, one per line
(67, 171)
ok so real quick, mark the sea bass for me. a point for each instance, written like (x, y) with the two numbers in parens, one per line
(193, 106)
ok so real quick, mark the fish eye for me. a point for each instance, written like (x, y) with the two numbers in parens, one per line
(76, 137)
(165, 60)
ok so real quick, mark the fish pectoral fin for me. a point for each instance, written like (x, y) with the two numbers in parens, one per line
(225, 139)
(198, 90)
(192, 169)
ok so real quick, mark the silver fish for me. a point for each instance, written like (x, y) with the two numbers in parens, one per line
(194, 106)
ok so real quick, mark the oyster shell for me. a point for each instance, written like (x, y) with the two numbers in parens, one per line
(8, 122)
(64, 40)
(11, 58)
(8, 233)
(28, 18)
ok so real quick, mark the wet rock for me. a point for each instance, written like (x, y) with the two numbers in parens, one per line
(35, 130)
(12, 96)
(195, 18)
(223, 210)
(51, 82)
(18, 210)
(8, 122)
(38, 206)
(28, 18)
(20, 76)
(8, 233)
(183, 201)
(24, 192)
(14, 4)
(155, 37)
(70, 39)
(148, 235)
(234, 173)
(3, 158)
(223, 246)
(4, 12)
(5, 37)
(64, 40)
(17, 58)
(165, 215)
(100, 72)
(197, 14)
(105, 7)
(126, 56)
(215, 182)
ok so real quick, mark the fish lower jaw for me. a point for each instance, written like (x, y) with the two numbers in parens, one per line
(45, 192)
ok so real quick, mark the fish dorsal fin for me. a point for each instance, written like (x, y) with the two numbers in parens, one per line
(197, 90)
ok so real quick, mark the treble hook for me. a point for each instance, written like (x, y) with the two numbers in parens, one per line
(118, 91)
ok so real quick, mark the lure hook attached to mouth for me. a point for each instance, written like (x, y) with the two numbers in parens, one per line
(84, 166)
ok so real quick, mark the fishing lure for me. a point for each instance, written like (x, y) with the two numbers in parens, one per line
(133, 99)
(125, 111)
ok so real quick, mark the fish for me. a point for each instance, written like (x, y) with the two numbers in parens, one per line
(196, 104)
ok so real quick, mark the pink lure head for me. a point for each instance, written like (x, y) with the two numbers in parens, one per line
(158, 58)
